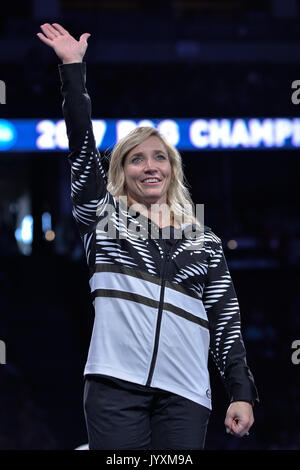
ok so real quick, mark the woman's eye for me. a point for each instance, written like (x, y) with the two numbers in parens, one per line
(136, 159)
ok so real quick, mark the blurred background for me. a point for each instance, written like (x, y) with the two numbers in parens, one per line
(167, 59)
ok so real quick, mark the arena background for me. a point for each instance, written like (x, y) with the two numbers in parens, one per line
(150, 59)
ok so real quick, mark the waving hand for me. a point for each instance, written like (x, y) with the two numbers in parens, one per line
(67, 48)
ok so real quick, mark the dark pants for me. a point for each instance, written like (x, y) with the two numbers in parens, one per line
(122, 415)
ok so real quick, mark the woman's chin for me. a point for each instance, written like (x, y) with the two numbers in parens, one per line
(153, 198)
(150, 196)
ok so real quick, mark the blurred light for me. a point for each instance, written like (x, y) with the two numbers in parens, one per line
(32, 135)
(170, 130)
(49, 235)
(253, 263)
(8, 134)
(145, 123)
(247, 243)
(123, 127)
(47, 138)
(99, 130)
(24, 233)
(197, 129)
(61, 138)
(232, 244)
(46, 221)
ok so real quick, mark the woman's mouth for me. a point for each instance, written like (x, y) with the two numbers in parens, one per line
(151, 181)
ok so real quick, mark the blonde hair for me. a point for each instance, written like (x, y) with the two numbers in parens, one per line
(178, 196)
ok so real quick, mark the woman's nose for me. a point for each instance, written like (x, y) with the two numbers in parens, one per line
(149, 165)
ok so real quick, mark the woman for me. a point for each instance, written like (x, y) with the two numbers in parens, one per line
(161, 303)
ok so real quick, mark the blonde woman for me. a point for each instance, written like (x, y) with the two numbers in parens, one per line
(161, 302)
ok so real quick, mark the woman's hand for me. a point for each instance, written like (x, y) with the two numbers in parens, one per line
(66, 47)
(239, 418)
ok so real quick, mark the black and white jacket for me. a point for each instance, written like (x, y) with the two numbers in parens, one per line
(160, 306)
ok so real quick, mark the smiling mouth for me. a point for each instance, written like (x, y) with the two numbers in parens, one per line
(151, 181)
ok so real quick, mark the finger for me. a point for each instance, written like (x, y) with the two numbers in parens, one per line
(53, 30)
(240, 431)
(84, 37)
(50, 31)
(44, 39)
(238, 426)
(230, 431)
(47, 33)
(228, 427)
(60, 29)
(228, 422)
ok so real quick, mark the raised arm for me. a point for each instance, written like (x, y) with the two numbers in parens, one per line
(88, 189)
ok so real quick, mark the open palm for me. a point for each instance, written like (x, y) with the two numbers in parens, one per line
(65, 46)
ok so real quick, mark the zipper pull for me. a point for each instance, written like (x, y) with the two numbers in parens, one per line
(168, 256)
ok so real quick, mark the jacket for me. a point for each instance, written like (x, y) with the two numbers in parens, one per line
(160, 306)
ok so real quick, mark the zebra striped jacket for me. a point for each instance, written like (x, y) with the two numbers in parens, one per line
(160, 305)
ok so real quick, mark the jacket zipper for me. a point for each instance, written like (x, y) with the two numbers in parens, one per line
(160, 309)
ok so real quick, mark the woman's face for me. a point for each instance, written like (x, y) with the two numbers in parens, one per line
(148, 172)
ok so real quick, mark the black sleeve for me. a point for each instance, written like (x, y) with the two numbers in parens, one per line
(88, 178)
(226, 343)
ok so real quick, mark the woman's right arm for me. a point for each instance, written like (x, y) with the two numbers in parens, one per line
(88, 176)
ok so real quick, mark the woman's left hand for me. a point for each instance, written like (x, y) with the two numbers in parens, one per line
(239, 418)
